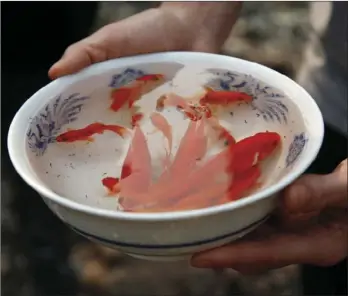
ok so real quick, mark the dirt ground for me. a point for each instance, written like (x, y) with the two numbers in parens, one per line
(271, 33)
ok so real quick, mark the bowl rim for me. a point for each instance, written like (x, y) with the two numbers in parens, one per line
(163, 216)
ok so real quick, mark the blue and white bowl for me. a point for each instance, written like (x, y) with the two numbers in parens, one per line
(68, 176)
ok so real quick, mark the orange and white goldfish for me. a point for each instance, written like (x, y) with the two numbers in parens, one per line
(178, 102)
(122, 96)
(136, 118)
(150, 78)
(85, 134)
(223, 98)
(161, 123)
(242, 183)
(251, 150)
(111, 184)
(133, 92)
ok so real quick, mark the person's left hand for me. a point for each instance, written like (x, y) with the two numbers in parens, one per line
(311, 227)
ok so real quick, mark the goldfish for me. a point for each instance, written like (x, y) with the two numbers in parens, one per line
(133, 92)
(168, 185)
(204, 110)
(186, 186)
(209, 194)
(150, 77)
(161, 123)
(189, 113)
(223, 133)
(136, 118)
(126, 170)
(110, 183)
(202, 197)
(251, 150)
(139, 161)
(176, 101)
(192, 147)
(232, 161)
(226, 136)
(146, 84)
(160, 102)
(123, 95)
(85, 133)
(190, 180)
(171, 100)
(221, 97)
(241, 184)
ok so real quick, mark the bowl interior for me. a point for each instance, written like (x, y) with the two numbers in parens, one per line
(75, 170)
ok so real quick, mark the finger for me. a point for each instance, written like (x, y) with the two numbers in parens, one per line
(80, 55)
(142, 33)
(318, 246)
(298, 221)
(316, 192)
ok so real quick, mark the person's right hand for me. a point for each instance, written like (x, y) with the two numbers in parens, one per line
(172, 27)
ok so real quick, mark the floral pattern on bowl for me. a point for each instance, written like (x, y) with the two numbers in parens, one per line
(125, 77)
(296, 147)
(268, 101)
(46, 125)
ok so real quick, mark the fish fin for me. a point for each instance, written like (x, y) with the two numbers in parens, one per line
(165, 162)
(140, 159)
(124, 132)
(111, 194)
(207, 89)
(153, 131)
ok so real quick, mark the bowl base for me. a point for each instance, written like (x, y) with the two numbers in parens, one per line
(186, 257)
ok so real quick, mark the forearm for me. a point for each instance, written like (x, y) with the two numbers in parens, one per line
(211, 21)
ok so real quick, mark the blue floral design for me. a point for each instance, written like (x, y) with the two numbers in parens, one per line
(266, 99)
(45, 126)
(296, 148)
(125, 77)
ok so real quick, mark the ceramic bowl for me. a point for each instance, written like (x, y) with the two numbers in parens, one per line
(68, 175)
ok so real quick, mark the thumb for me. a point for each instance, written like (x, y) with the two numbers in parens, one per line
(313, 193)
(81, 54)
(141, 33)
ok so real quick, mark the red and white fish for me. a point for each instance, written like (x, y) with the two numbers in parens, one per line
(85, 134)
(161, 123)
(121, 96)
(252, 150)
(136, 118)
(224, 98)
(133, 92)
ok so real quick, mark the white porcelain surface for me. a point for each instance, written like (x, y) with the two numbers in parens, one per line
(68, 176)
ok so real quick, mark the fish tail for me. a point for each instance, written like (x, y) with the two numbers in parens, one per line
(111, 184)
(208, 89)
(120, 130)
(139, 158)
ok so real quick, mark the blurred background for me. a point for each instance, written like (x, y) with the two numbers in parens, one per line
(270, 33)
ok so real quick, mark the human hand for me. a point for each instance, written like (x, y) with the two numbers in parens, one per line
(311, 227)
(174, 26)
